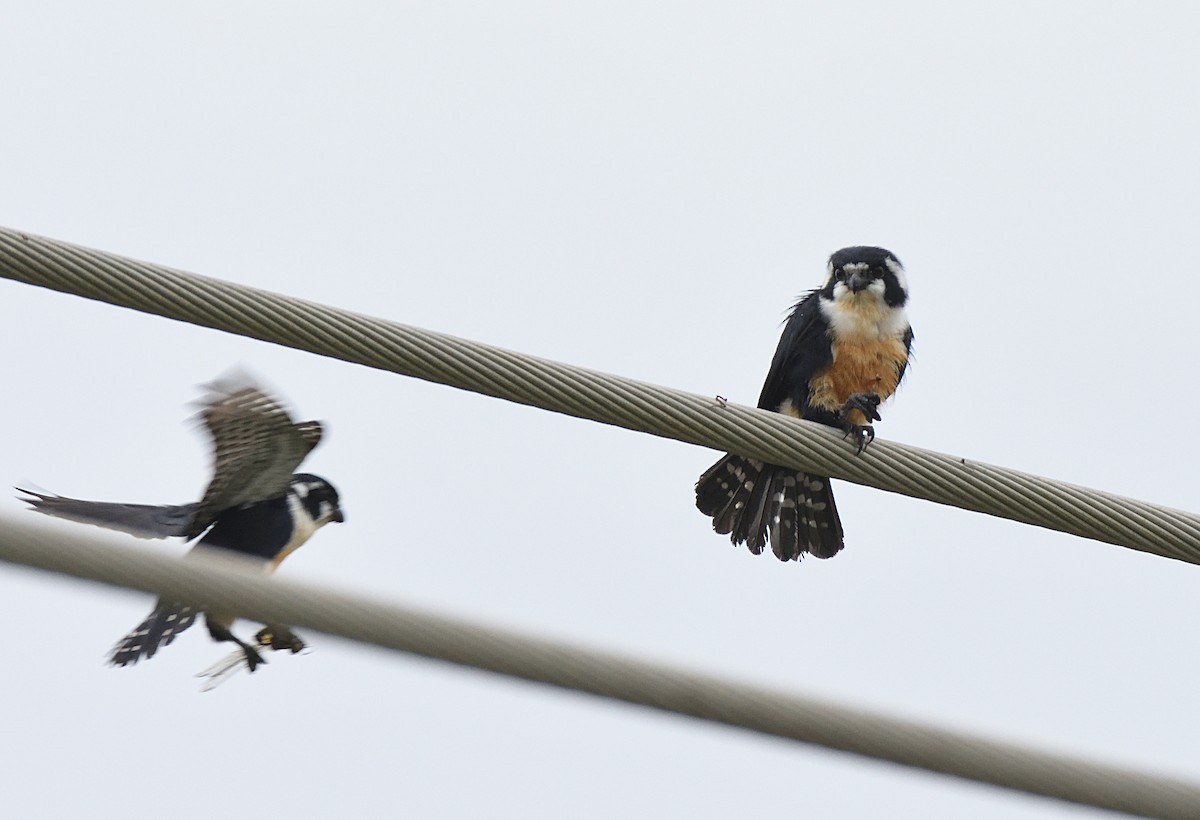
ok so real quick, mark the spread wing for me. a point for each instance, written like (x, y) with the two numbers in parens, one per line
(803, 349)
(142, 520)
(256, 448)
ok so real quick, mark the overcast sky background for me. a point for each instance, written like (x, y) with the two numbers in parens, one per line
(642, 189)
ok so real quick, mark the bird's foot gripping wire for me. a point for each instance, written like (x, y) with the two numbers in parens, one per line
(278, 636)
(866, 404)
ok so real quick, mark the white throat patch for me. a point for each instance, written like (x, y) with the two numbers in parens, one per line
(863, 315)
(303, 527)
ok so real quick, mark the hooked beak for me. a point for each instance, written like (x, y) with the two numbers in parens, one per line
(337, 516)
(858, 280)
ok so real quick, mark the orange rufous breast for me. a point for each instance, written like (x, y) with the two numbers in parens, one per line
(867, 366)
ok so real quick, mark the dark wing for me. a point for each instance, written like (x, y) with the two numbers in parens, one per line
(804, 348)
(142, 520)
(256, 448)
(908, 337)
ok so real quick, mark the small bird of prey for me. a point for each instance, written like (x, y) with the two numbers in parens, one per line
(256, 506)
(843, 351)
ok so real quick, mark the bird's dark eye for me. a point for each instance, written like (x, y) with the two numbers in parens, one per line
(838, 273)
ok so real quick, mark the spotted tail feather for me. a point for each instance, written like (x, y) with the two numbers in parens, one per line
(756, 503)
(166, 621)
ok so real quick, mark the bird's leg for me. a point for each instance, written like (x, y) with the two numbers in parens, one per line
(278, 636)
(221, 632)
(867, 405)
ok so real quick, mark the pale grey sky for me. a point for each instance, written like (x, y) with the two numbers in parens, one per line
(641, 189)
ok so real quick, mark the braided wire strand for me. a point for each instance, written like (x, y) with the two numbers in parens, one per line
(602, 397)
(238, 586)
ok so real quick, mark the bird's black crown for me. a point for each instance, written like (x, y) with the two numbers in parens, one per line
(862, 253)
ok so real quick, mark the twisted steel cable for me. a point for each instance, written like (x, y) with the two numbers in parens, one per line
(602, 397)
(231, 584)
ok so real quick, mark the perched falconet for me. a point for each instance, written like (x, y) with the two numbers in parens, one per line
(843, 351)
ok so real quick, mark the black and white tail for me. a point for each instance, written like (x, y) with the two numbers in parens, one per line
(160, 628)
(750, 500)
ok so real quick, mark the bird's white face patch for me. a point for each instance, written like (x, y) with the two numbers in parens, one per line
(303, 524)
(851, 267)
(898, 271)
(841, 291)
(863, 315)
(326, 512)
(303, 527)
